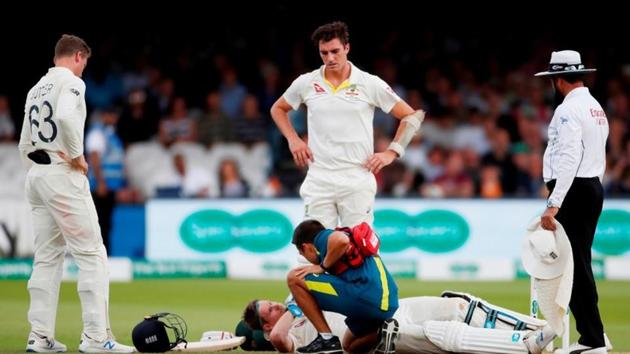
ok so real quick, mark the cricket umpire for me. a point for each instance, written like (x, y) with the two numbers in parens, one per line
(573, 167)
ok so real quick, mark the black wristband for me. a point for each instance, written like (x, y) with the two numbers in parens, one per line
(325, 268)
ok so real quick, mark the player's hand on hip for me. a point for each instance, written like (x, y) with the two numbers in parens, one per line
(379, 160)
(300, 151)
(301, 272)
(547, 220)
(78, 163)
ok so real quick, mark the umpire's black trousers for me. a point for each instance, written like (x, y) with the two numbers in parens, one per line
(578, 215)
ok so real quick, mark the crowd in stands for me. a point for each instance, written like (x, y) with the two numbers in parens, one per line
(197, 123)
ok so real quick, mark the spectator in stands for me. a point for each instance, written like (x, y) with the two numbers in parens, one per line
(165, 94)
(232, 92)
(178, 127)
(194, 181)
(104, 87)
(7, 127)
(214, 126)
(454, 182)
(231, 183)
(521, 157)
(490, 182)
(139, 120)
(106, 160)
(250, 126)
(270, 90)
(501, 156)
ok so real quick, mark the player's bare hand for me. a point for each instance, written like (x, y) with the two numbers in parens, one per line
(301, 272)
(78, 163)
(300, 151)
(379, 160)
(547, 220)
(65, 157)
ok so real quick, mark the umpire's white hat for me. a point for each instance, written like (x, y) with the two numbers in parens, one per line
(545, 253)
(565, 62)
(548, 258)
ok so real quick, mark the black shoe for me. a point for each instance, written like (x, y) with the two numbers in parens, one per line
(388, 334)
(322, 346)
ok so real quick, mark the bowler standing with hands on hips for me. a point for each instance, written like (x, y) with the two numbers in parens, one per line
(573, 166)
(340, 186)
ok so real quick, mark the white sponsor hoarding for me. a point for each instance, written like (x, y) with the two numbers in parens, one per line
(445, 239)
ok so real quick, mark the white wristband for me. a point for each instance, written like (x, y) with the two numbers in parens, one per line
(397, 148)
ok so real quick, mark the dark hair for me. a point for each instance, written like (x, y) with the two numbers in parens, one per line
(306, 232)
(250, 315)
(571, 78)
(330, 31)
(68, 45)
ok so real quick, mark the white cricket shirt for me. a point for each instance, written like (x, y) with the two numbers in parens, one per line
(577, 143)
(340, 120)
(302, 331)
(54, 115)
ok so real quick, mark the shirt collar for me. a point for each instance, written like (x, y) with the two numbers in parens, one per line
(346, 83)
(579, 91)
(60, 69)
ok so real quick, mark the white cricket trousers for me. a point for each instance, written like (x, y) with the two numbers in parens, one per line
(339, 198)
(64, 216)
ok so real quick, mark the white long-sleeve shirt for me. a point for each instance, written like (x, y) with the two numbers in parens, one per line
(577, 143)
(54, 115)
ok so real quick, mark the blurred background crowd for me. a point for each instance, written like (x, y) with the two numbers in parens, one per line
(184, 112)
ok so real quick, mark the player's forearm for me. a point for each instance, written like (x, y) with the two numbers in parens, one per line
(279, 335)
(79, 163)
(338, 243)
(408, 128)
(281, 117)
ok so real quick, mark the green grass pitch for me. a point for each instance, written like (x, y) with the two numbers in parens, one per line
(209, 304)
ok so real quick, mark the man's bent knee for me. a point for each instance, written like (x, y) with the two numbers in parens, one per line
(294, 281)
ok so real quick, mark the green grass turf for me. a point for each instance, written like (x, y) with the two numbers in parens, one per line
(217, 305)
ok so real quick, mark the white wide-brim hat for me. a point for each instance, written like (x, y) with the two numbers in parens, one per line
(565, 62)
(545, 253)
(548, 258)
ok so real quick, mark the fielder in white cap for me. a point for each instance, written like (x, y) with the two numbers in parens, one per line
(573, 167)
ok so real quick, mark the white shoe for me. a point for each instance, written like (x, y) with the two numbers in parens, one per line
(577, 348)
(89, 345)
(389, 333)
(41, 344)
(537, 340)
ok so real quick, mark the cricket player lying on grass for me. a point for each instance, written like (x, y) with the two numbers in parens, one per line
(452, 323)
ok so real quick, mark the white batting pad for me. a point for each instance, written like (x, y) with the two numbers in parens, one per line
(210, 346)
(460, 338)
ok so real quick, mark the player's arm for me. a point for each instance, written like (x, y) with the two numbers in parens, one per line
(299, 149)
(337, 245)
(409, 126)
(71, 122)
(279, 335)
(26, 146)
(385, 98)
(280, 114)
